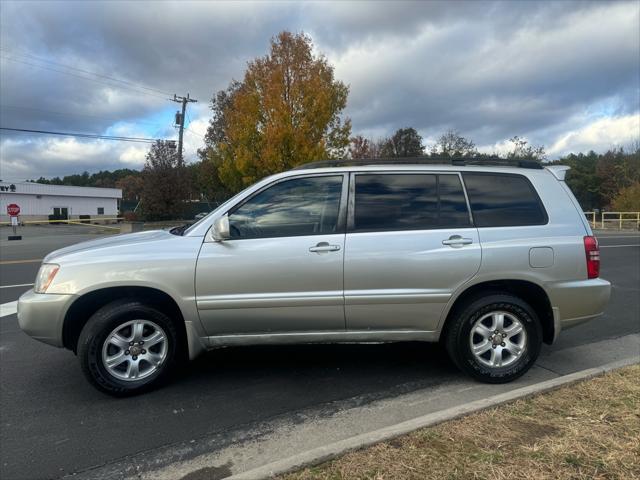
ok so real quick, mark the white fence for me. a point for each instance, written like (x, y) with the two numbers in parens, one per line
(614, 220)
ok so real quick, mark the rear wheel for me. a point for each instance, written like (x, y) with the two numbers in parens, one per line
(127, 347)
(495, 339)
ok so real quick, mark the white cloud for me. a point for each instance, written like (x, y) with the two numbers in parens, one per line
(599, 135)
(134, 156)
(502, 148)
(31, 158)
(491, 70)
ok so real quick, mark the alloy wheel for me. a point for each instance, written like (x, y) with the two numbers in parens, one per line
(498, 339)
(135, 350)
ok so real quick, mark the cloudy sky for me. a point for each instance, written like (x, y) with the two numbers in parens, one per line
(564, 74)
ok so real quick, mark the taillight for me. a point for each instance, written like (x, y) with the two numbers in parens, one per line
(592, 251)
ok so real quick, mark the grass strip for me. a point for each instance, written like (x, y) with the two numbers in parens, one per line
(588, 430)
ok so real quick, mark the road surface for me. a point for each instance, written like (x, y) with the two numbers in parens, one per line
(53, 423)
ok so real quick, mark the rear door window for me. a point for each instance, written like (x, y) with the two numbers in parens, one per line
(503, 200)
(392, 202)
(453, 211)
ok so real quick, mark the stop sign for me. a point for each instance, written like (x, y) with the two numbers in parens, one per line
(13, 210)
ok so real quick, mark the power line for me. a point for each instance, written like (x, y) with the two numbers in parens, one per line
(88, 72)
(191, 131)
(72, 114)
(45, 67)
(196, 134)
(83, 135)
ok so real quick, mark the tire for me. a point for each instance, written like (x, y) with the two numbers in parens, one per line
(497, 358)
(108, 335)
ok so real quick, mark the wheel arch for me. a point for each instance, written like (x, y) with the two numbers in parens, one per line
(87, 304)
(529, 291)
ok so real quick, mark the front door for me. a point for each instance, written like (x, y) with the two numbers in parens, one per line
(410, 245)
(281, 270)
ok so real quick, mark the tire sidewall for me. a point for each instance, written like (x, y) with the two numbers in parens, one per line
(98, 328)
(467, 360)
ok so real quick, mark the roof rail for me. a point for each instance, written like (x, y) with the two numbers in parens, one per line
(457, 161)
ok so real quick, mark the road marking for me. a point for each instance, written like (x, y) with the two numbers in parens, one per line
(16, 286)
(13, 262)
(8, 308)
(619, 246)
(617, 236)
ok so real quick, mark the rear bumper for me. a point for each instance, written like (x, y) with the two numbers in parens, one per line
(576, 302)
(41, 315)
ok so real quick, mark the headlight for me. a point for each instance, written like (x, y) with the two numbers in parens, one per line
(45, 277)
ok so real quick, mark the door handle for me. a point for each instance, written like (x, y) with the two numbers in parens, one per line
(457, 241)
(324, 247)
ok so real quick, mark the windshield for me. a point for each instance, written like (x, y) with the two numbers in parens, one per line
(205, 219)
(188, 227)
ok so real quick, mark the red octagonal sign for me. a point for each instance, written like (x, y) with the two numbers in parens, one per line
(13, 210)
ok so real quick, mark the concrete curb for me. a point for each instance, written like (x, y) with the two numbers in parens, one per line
(332, 450)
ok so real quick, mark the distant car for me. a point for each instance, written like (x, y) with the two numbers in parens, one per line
(201, 215)
(490, 260)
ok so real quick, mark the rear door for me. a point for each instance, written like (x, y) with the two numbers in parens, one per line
(410, 244)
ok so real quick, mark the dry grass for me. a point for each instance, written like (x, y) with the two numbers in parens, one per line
(589, 430)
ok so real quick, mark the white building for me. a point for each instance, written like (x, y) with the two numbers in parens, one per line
(37, 201)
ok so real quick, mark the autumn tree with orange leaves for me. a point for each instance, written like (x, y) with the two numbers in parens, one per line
(285, 112)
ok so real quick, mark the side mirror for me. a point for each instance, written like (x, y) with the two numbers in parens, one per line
(220, 229)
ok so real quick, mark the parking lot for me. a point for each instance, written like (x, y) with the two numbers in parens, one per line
(53, 423)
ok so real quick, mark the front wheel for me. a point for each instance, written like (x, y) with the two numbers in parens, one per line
(127, 347)
(495, 339)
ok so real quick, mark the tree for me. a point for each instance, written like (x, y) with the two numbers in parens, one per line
(452, 144)
(131, 187)
(104, 178)
(597, 178)
(217, 130)
(582, 179)
(615, 170)
(627, 199)
(522, 150)
(360, 147)
(406, 142)
(165, 184)
(285, 112)
(206, 176)
(205, 183)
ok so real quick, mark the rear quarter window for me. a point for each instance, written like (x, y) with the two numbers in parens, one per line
(503, 200)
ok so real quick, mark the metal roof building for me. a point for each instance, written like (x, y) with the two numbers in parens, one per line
(39, 201)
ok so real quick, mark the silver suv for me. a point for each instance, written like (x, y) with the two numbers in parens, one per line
(489, 260)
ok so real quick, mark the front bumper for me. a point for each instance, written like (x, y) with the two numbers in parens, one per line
(41, 315)
(576, 302)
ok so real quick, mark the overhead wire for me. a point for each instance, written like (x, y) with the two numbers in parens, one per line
(74, 114)
(107, 80)
(83, 135)
(87, 72)
(109, 84)
(199, 135)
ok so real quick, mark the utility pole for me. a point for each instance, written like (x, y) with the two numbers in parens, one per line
(180, 121)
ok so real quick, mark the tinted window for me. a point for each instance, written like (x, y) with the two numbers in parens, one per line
(453, 205)
(503, 200)
(408, 202)
(301, 206)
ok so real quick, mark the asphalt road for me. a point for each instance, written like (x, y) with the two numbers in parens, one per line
(53, 423)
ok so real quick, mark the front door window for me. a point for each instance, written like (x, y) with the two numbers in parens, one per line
(291, 208)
